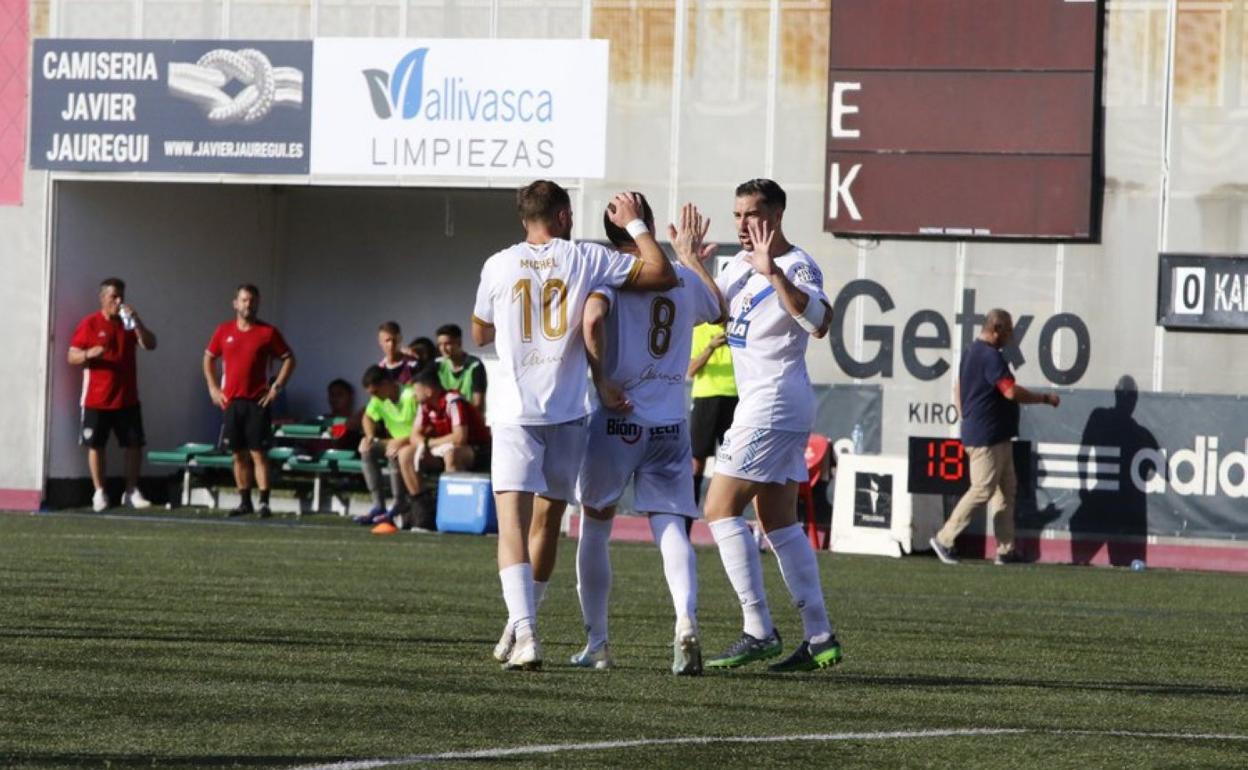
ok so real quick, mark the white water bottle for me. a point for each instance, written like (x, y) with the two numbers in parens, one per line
(127, 318)
(856, 438)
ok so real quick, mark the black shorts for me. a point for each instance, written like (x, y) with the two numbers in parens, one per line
(247, 426)
(97, 424)
(711, 418)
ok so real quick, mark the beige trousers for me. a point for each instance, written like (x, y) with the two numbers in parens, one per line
(992, 482)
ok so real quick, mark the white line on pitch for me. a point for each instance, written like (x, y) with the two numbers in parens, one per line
(372, 764)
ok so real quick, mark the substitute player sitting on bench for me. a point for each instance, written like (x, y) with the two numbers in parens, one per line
(448, 434)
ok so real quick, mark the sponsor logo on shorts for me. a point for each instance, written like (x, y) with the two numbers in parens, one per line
(665, 432)
(629, 433)
(87, 433)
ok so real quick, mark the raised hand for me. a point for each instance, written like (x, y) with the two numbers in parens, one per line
(761, 236)
(688, 241)
(623, 208)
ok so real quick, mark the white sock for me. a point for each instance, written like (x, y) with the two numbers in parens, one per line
(740, 557)
(593, 577)
(680, 565)
(539, 592)
(800, 571)
(517, 583)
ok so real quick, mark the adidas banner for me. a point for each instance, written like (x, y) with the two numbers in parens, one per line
(1123, 462)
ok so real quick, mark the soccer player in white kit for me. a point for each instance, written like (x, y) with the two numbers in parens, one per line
(638, 346)
(530, 303)
(776, 302)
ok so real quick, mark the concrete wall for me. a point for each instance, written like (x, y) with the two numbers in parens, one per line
(181, 249)
(354, 258)
(23, 380)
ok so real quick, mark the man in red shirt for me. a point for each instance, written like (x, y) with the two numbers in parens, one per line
(103, 345)
(247, 346)
(449, 433)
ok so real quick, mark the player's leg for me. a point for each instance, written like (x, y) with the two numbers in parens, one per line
(663, 490)
(370, 463)
(544, 541)
(95, 462)
(563, 449)
(593, 585)
(258, 427)
(777, 509)
(260, 465)
(93, 433)
(608, 463)
(515, 573)
(130, 436)
(398, 489)
(985, 477)
(460, 459)
(680, 569)
(407, 460)
(1002, 503)
(516, 476)
(243, 479)
(726, 499)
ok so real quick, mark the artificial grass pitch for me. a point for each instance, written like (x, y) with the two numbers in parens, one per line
(139, 642)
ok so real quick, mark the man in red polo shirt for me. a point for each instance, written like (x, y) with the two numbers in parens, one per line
(247, 346)
(103, 345)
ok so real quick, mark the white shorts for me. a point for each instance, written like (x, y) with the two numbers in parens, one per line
(658, 459)
(763, 454)
(542, 459)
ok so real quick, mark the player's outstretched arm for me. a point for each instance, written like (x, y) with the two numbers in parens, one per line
(656, 273)
(693, 251)
(1021, 395)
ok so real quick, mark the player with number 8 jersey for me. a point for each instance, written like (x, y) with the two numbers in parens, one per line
(638, 346)
(529, 304)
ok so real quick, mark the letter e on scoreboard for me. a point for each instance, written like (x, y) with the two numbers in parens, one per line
(840, 109)
(1189, 290)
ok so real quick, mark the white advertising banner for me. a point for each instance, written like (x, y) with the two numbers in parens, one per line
(478, 108)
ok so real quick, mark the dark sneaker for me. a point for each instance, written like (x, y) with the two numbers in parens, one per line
(944, 554)
(748, 649)
(264, 511)
(242, 509)
(1012, 557)
(809, 657)
(366, 519)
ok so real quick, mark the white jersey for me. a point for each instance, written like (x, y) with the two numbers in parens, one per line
(649, 336)
(768, 347)
(535, 296)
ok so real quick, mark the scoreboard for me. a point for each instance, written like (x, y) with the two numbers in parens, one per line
(940, 466)
(964, 119)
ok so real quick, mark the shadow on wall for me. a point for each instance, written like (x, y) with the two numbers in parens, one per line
(1111, 515)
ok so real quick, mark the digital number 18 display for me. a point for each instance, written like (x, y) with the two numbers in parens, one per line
(938, 466)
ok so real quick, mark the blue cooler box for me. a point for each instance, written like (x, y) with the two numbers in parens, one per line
(466, 503)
